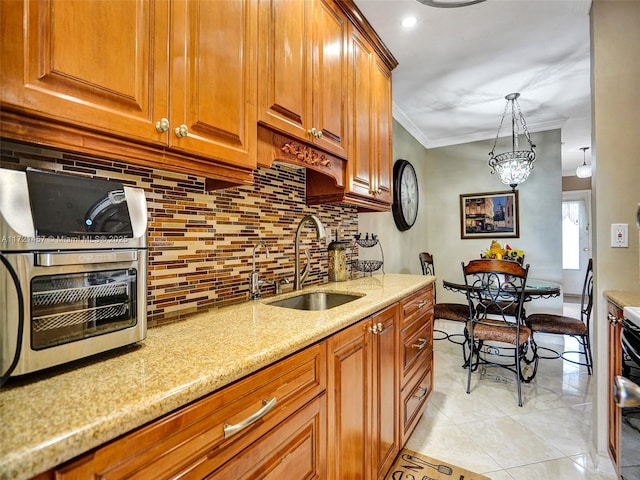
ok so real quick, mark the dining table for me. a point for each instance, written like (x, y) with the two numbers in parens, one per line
(534, 288)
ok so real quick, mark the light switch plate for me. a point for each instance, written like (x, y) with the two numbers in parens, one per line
(619, 235)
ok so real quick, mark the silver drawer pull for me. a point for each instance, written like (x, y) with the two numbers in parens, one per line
(231, 430)
(421, 345)
(422, 303)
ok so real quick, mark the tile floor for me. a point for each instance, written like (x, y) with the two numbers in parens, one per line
(549, 437)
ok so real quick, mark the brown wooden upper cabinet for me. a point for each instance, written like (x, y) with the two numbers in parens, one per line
(161, 83)
(370, 154)
(302, 71)
(369, 166)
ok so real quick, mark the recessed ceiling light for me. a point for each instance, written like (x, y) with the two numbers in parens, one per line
(409, 22)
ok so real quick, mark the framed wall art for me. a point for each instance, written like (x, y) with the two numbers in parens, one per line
(489, 215)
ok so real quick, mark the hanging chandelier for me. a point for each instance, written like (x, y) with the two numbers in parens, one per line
(584, 170)
(513, 167)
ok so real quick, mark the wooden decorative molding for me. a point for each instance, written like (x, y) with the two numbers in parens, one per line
(276, 146)
(306, 155)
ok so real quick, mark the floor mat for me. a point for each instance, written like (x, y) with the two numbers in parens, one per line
(410, 465)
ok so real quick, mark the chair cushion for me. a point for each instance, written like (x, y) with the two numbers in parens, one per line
(451, 311)
(559, 324)
(497, 332)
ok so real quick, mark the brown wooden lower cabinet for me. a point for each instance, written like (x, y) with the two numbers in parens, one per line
(614, 316)
(416, 357)
(194, 442)
(339, 409)
(362, 393)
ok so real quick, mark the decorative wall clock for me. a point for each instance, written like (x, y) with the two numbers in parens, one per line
(405, 195)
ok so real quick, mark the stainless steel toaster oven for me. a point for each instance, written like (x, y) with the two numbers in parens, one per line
(73, 268)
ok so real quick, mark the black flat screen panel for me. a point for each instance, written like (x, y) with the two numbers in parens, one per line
(77, 207)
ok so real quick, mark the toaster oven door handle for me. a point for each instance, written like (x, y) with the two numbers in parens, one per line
(56, 259)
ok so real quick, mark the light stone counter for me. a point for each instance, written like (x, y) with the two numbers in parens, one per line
(47, 421)
(623, 298)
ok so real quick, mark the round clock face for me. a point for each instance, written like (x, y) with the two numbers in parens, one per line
(405, 195)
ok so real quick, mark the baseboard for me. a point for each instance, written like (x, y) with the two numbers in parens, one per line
(571, 298)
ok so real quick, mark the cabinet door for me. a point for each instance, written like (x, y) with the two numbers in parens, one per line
(363, 398)
(330, 77)
(385, 391)
(348, 404)
(383, 138)
(284, 66)
(213, 79)
(615, 316)
(361, 131)
(97, 64)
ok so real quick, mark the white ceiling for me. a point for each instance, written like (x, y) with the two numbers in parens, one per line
(457, 64)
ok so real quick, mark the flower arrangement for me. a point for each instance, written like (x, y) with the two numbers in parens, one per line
(496, 251)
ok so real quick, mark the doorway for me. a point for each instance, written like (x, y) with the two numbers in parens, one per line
(576, 240)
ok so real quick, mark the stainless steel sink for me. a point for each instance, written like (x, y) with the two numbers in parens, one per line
(315, 300)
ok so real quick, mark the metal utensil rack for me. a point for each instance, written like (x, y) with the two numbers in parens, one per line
(366, 266)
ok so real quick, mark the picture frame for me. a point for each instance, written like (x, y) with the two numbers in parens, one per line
(489, 215)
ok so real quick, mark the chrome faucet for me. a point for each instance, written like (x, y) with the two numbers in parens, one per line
(299, 278)
(255, 280)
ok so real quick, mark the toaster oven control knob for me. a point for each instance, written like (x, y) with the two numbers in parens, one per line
(182, 131)
(162, 125)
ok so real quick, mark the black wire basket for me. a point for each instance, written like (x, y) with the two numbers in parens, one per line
(367, 266)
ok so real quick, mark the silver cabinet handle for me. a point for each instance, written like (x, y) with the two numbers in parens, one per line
(230, 430)
(421, 345)
(613, 320)
(162, 125)
(182, 131)
(424, 393)
(422, 303)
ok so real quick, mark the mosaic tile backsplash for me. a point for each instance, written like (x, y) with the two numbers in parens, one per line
(201, 243)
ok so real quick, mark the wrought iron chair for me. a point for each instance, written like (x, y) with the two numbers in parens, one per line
(457, 312)
(495, 293)
(577, 328)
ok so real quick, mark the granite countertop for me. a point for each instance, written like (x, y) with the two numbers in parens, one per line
(49, 419)
(623, 298)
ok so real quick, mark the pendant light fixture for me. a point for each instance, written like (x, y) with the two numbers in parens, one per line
(513, 167)
(584, 170)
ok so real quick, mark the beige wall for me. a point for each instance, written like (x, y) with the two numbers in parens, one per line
(445, 173)
(615, 31)
(575, 183)
(401, 249)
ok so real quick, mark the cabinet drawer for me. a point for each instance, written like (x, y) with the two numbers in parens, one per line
(195, 435)
(417, 344)
(294, 450)
(414, 398)
(416, 305)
